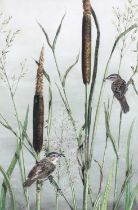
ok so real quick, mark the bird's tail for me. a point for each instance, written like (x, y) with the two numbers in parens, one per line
(124, 104)
(28, 182)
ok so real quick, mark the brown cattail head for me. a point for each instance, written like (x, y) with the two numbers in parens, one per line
(86, 42)
(39, 78)
(38, 122)
(38, 108)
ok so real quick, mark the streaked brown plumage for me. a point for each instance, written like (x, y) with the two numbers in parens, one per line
(42, 169)
(119, 88)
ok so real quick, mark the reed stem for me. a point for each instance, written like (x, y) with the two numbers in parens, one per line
(85, 191)
(38, 195)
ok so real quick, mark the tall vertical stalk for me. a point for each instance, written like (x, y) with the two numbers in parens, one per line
(86, 154)
(38, 195)
(85, 190)
(38, 120)
(86, 74)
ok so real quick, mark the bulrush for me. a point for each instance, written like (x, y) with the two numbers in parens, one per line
(86, 42)
(38, 109)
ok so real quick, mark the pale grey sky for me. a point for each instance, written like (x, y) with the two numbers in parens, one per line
(30, 40)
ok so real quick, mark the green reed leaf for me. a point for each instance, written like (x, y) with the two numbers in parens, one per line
(69, 69)
(58, 31)
(7, 181)
(107, 191)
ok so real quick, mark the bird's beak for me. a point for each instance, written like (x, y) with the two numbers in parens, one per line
(105, 79)
(61, 155)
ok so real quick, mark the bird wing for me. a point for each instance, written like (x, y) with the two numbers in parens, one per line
(42, 168)
(119, 88)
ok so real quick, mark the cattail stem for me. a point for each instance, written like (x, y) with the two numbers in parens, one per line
(38, 200)
(85, 190)
(86, 125)
(38, 195)
(38, 192)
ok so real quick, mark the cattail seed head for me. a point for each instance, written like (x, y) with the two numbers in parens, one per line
(87, 6)
(38, 122)
(38, 108)
(86, 42)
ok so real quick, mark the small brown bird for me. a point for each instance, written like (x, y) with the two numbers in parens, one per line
(43, 169)
(119, 88)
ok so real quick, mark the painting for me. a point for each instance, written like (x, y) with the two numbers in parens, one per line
(69, 105)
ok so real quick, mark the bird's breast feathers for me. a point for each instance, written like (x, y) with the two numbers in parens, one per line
(119, 88)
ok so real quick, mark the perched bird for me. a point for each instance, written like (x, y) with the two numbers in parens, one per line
(43, 169)
(119, 88)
